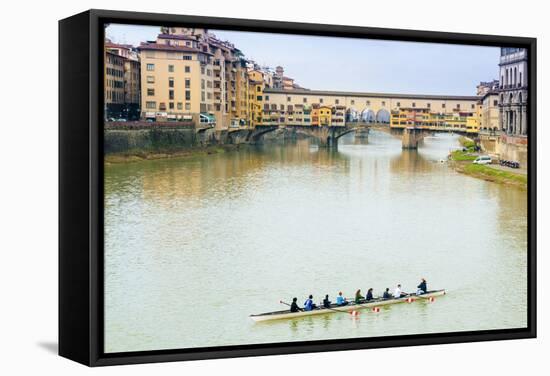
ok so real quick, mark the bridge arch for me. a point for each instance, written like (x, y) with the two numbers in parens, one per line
(383, 116)
(368, 116)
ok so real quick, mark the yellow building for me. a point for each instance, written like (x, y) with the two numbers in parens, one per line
(325, 115)
(315, 114)
(256, 85)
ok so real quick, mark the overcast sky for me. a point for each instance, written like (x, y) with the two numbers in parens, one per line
(328, 63)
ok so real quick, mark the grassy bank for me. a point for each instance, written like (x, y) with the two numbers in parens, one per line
(143, 155)
(461, 161)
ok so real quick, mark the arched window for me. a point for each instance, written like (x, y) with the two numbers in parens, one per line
(515, 76)
(511, 98)
(520, 98)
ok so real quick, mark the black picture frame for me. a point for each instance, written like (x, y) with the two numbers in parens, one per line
(81, 187)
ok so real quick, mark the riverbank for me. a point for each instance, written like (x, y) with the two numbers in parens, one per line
(461, 161)
(142, 155)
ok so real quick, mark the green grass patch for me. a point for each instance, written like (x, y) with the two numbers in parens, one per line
(467, 143)
(495, 175)
(460, 156)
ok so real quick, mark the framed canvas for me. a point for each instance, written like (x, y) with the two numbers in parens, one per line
(235, 187)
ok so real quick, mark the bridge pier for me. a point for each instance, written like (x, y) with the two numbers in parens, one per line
(411, 137)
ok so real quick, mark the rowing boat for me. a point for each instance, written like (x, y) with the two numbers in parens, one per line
(352, 306)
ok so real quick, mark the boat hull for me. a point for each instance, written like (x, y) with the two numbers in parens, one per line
(280, 315)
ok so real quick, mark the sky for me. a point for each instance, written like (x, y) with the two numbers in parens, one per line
(347, 64)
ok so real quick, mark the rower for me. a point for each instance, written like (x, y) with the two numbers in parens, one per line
(422, 287)
(294, 306)
(309, 305)
(387, 294)
(397, 293)
(340, 300)
(326, 302)
(358, 297)
(369, 296)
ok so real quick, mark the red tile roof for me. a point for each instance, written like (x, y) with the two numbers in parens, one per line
(116, 45)
(166, 47)
(174, 36)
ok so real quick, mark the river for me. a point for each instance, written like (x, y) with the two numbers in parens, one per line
(195, 245)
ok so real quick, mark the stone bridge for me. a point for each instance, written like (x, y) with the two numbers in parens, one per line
(327, 136)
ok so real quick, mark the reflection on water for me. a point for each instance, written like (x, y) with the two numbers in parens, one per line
(193, 246)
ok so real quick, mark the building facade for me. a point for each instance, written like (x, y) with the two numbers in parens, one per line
(187, 73)
(490, 112)
(114, 85)
(367, 107)
(513, 91)
(122, 82)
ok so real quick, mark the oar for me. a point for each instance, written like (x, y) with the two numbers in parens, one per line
(285, 303)
(301, 309)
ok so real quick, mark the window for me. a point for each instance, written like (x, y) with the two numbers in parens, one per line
(495, 103)
(337, 101)
(352, 102)
(282, 107)
(187, 57)
(187, 83)
(203, 84)
(150, 79)
(187, 69)
(429, 105)
(171, 105)
(320, 100)
(473, 106)
(384, 104)
(203, 96)
(170, 68)
(267, 97)
(259, 98)
(151, 105)
(170, 81)
(305, 100)
(188, 106)
(368, 103)
(258, 88)
(180, 106)
(171, 95)
(150, 67)
(203, 70)
(442, 105)
(398, 104)
(187, 95)
(288, 99)
(150, 92)
(458, 106)
(413, 104)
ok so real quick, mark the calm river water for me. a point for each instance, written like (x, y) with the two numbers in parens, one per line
(193, 246)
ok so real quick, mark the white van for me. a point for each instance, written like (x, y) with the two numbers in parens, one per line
(483, 159)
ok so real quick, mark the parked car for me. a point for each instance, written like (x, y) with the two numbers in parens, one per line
(483, 159)
(511, 164)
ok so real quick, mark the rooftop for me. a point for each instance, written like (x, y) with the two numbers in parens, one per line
(369, 94)
(166, 47)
